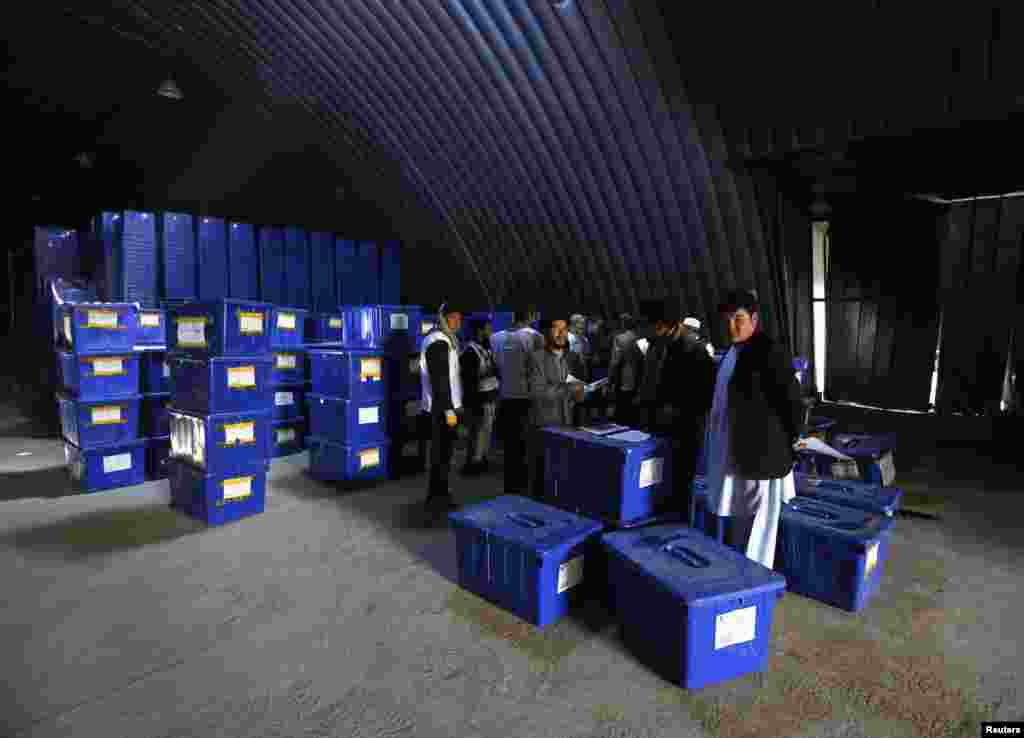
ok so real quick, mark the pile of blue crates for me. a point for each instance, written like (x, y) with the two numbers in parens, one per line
(99, 400)
(221, 404)
(402, 329)
(288, 381)
(348, 437)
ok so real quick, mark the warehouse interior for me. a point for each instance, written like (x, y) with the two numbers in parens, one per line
(858, 168)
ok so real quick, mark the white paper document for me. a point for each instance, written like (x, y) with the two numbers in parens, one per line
(820, 447)
(572, 380)
(643, 344)
(604, 430)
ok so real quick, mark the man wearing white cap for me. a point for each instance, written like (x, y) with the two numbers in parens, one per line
(691, 328)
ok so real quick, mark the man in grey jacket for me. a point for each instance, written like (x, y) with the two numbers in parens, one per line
(554, 392)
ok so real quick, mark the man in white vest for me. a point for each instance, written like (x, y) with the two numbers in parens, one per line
(442, 401)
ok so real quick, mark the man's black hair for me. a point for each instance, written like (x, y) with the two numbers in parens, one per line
(734, 300)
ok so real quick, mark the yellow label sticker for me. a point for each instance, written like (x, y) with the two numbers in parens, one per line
(871, 561)
(149, 320)
(111, 367)
(286, 361)
(369, 458)
(101, 319)
(192, 332)
(241, 377)
(67, 329)
(238, 488)
(250, 324)
(106, 415)
(239, 433)
(285, 435)
(286, 321)
(334, 323)
(369, 370)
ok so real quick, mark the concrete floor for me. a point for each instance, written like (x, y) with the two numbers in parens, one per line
(336, 614)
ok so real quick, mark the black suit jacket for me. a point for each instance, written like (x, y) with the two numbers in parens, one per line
(765, 410)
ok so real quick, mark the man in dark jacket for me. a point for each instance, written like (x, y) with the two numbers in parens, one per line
(755, 421)
(685, 392)
(480, 388)
(442, 401)
(624, 369)
(662, 325)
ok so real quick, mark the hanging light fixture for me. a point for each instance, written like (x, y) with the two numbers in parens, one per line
(170, 90)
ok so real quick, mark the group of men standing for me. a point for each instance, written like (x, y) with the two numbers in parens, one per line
(745, 415)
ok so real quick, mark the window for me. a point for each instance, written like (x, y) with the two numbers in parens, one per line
(819, 245)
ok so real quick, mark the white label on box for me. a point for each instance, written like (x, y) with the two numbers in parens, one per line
(107, 367)
(191, 332)
(651, 472)
(167, 370)
(284, 398)
(67, 329)
(369, 415)
(399, 322)
(738, 626)
(238, 488)
(285, 435)
(241, 376)
(101, 319)
(106, 415)
(239, 433)
(369, 370)
(250, 324)
(149, 320)
(121, 462)
(871, 561)
(369, 458)
(887, 467)
(286, 361)
(570, 574)
(286, 321)
(334, 323)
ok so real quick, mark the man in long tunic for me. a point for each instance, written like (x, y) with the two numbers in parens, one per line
(755, 421)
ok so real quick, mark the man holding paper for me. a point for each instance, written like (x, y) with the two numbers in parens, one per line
(554, 392)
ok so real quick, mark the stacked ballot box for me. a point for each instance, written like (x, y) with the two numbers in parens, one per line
(100, 400)
(348, 436)
(289, 417)
(401, 328)
(222, 403)
(610, 473)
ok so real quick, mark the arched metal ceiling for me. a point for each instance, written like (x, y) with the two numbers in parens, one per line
(546, 149)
